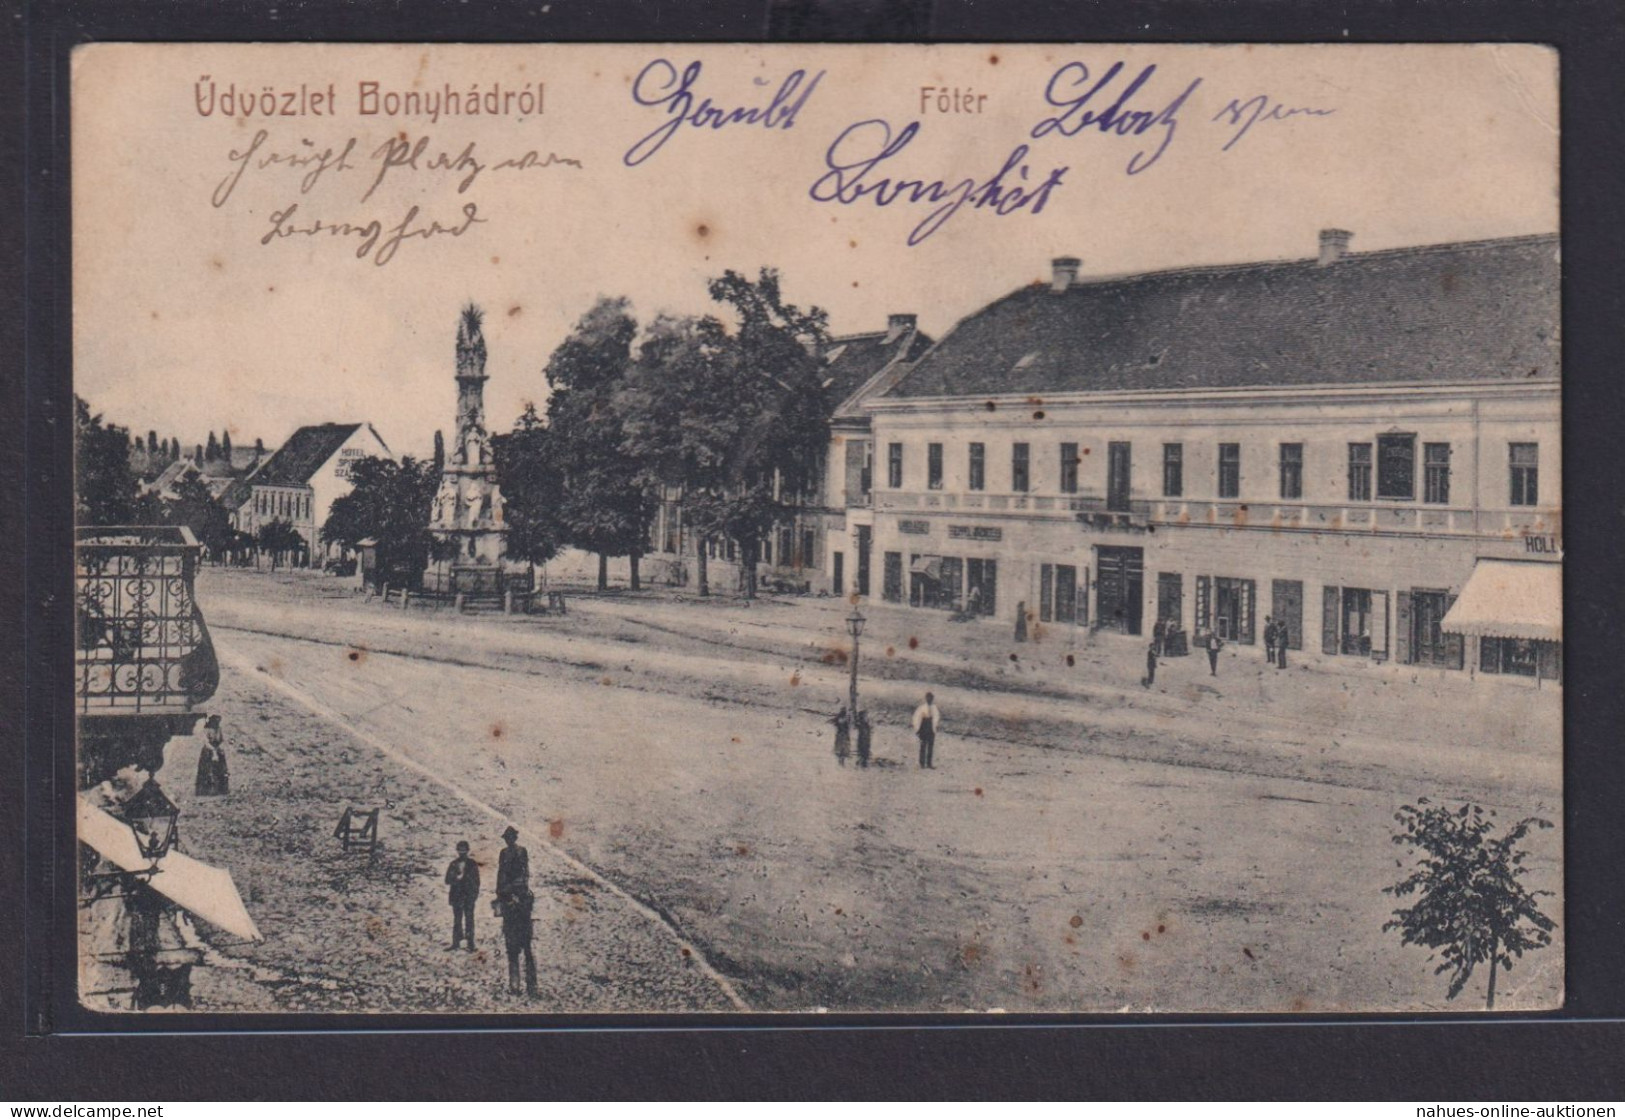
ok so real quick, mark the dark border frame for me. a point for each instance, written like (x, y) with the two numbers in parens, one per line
(51, 1047)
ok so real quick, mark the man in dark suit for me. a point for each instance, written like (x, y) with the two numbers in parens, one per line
(515, 902)
(463, 887)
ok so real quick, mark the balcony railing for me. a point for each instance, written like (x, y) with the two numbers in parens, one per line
(1093, 510)
(143, 647)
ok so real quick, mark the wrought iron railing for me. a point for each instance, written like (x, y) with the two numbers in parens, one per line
(143, 646)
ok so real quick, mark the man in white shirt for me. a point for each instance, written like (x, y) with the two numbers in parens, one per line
(926, 721)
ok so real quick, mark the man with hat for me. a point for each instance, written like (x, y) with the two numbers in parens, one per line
(515, 902)
(463, 887)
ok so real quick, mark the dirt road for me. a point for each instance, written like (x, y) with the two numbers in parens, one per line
(1186, 851)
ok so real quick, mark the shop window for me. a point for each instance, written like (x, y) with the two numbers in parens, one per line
(1020, 478)
(1057, 593)
(1509, 656)
(1436, 473)
(1525, 464)
(978, 466)
(1359, 472)
(1173, 470)
(1291, 471)
(1396, 467)
(933, 466)
(1069, 468)
(1229, 470)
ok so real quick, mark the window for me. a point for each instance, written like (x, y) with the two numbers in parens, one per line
(933, 466)
(894, 465)
(1119, 480)
(1291, 470)
(1069, 468)
(1525, 461)
(1396, 466)
(1019, 478)
(978, 466)
(1436, 473)
(807, 553)
(1359, 472)
(1173, 470)
(1229, 470)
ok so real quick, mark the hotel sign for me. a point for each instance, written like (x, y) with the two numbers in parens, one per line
(1543, 544)
(975, 533)
(914, 528)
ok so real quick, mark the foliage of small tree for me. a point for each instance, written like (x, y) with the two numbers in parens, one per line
(211, 451)
(532, 485)
(389, 503)
(605, 507)
(225, 445)
(194, 507)
(280, 541)
(106, 487)
(1472, 907)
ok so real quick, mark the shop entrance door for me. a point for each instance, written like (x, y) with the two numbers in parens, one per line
(864, 533)
(1357, 621)
(1233, 609)
(1120, 587)
(1429, 644)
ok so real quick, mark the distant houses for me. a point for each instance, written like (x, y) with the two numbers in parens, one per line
(301, 480)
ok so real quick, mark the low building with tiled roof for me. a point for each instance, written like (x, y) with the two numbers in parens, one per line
(299, 482)
(1334, 442)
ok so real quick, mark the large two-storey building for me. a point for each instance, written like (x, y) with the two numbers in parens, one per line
(1349, 443)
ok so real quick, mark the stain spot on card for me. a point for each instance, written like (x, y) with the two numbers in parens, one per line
(914, 643)
(555, 828)
(1075, 921)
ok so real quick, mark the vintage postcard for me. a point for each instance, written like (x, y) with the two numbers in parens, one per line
(861, 528)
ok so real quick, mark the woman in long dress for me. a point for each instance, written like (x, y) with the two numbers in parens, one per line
(213, 776)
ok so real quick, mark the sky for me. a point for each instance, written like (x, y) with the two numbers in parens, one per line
(191, 316)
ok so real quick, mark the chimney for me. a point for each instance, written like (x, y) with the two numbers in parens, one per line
(1334, 245)
(898, 325)
(1065, 273)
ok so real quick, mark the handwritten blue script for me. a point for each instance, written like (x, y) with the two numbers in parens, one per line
(863, 146)
(1242, 115)
(659, 84)
(1070, 90)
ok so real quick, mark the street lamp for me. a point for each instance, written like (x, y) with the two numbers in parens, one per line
(854, 626)
(151, 816)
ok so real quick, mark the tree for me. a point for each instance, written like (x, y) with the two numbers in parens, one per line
(439, 459)
(389, 503)
(737, 417)
(259, 449)
(106, 489)
(212, 451)
(605, 507)
(195, 508)
(197, 455)
(279, 540)
(532, 485)
(225, 445)
(1471, 903)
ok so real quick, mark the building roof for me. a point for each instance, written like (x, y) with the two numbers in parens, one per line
(1469, 311)
(853, 361)
(302, 456)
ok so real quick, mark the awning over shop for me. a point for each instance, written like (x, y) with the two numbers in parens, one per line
(205, 891)
(928, 566)
(1510, 599)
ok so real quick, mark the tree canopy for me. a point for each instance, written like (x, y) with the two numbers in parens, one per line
(389, 503)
